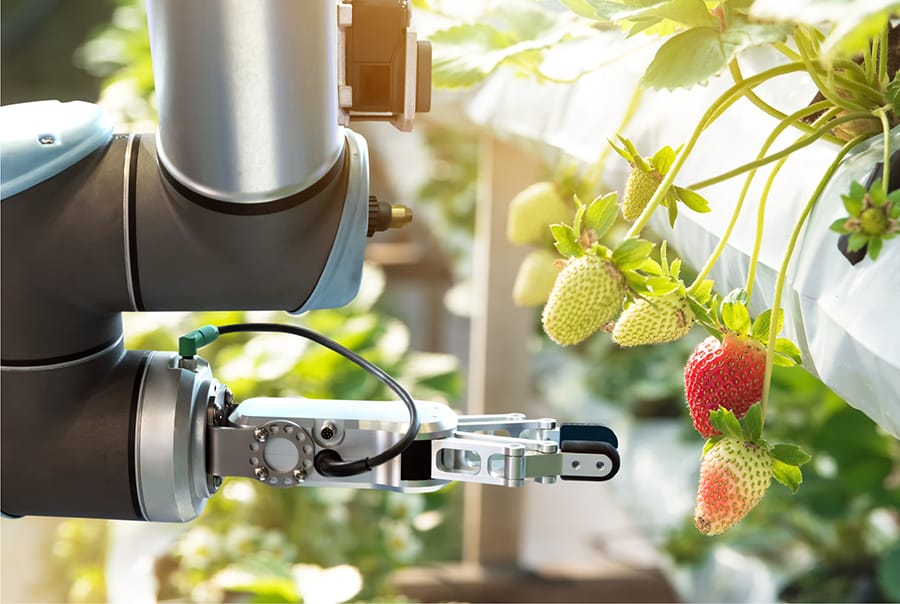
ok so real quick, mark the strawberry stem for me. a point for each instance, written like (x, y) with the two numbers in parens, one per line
(736, 74)
(886, 161)
(883, 58)
(803, 142)
(761, 210)
(723, 240)
(782, 273)
(718, 106)
(808, 48)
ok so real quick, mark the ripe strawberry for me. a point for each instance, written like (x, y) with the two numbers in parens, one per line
(728, 373)
(533, 210)
(535, 278)
(734, 476)
(588, 292)
(654, 321)
(639, 188)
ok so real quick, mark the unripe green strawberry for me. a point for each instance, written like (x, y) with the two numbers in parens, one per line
(535, 278)
(588, 292)
(533, 210)
(729, 374)
(639, 188)
(734, 476)
(654, 321)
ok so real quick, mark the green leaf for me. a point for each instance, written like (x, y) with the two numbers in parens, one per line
(857, 191)
(637, 283)
(636, 158)
(874, 247)
(779, 360)
(854, 22)
(691, 199)
(710, 443)
(857, 242)
(672, 207)
(684, 12)
(893, 94)
(663, 159)
(752, 423)
(621, 151)
(675, 268)
(736, 317)
(579, 216)
(661, 286)
(790, 454)
(693, 56)
(724, 421)
(787, 474)
(888, 572)
(852, 205)
(582, 8)
(789, 349)
(876, 192)
(763, 324)
(631, 253)
(704, 291)
(566, 240)
(601, 213)
(464, 55)
(838, 226)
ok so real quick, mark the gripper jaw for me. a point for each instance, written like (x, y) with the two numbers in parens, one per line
(278, 441)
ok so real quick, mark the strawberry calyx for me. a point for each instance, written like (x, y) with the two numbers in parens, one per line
(731, 316)
(631, 257)
(658, 166)
(874, 217)
(786, 458)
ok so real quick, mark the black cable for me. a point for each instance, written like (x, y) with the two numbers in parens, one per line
(328, 462)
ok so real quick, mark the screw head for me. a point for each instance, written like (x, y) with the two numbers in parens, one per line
(299, 474)
(46, 139)
(261, 472)
(261, 434)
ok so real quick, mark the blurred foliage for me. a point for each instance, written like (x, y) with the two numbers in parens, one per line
(77, 560)
(447, 198)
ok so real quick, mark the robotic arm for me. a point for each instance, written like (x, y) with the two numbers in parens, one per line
(252, 195)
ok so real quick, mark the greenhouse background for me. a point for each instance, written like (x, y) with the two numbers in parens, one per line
(436, 311)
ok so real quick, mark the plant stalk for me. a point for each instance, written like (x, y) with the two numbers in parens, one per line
(761, 210)
(782, 273)
(803, 142)
(724, 101)
(723, 240)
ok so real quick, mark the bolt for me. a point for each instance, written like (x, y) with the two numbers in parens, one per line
(299, 474)
(261, 472)
(261, 434)
(46, 139)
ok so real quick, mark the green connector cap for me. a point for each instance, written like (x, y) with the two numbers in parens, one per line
(191, 342)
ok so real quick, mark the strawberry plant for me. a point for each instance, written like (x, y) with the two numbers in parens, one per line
(847, 50)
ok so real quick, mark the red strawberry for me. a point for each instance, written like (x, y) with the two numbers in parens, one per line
(729, 374)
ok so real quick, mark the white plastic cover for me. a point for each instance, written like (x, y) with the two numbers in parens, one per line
(844, 318)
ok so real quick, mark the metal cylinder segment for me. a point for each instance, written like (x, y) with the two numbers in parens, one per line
(247, 94)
